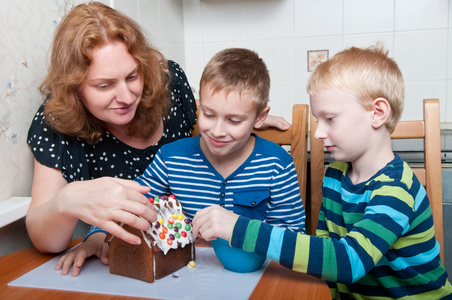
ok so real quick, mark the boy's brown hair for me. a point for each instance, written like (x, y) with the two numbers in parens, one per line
(367, 73)
(240, 70)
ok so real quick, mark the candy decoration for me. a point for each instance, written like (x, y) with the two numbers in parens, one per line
(172, 228)
(192, 264)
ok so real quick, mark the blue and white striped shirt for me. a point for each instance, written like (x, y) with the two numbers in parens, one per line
(264, 187)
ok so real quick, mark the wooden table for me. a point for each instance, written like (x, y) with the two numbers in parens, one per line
(277, 282)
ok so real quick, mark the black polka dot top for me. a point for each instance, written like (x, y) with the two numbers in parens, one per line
(78, 160)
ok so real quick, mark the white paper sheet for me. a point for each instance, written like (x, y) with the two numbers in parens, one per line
(209, 280)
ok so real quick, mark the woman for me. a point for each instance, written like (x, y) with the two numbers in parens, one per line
(111, 101)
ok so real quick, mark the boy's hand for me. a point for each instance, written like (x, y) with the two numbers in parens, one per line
(94, 245)
(214, 222)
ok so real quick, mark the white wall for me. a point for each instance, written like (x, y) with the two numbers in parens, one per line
(25, 35)
(417, 33)
(163, 22)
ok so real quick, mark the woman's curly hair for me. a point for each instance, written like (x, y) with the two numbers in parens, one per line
(85, 28)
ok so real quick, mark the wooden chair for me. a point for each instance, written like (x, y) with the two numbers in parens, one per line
(429, 175)
(297, 138)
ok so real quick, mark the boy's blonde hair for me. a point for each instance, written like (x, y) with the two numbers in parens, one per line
(238, 70)
(367, 73)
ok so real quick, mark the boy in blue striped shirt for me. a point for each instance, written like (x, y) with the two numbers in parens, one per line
(375, 238)
(226, 164)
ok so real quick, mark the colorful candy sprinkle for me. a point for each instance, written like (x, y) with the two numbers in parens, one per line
(172, 227)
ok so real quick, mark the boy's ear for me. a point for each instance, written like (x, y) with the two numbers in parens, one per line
(261, 117)
(381, 112)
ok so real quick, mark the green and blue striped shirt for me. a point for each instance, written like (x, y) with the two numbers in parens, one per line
(374, 239)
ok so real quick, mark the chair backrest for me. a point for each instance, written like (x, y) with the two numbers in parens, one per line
(429, 175)
(297, 138)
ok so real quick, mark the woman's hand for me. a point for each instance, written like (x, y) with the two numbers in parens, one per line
(214, 222)
(94, 245)
(56, 207)
(106, 202)
(276, 122)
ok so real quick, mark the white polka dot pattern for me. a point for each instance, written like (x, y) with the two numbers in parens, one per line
(110, 157)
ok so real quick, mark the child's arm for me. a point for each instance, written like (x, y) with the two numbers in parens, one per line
(322, 229)
(343, 259)
(155, 176)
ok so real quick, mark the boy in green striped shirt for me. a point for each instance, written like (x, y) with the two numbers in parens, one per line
(375, 237)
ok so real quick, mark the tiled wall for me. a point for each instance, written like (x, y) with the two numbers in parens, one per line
(163, 22)
(417, 33)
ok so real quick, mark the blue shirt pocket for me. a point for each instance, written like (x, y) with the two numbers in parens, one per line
(251, 203)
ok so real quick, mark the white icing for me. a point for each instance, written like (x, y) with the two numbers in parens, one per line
(168, 208)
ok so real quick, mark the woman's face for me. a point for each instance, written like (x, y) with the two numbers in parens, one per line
(113, 86)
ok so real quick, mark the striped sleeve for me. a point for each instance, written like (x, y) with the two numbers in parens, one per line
(378, 238)
(155, 176)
